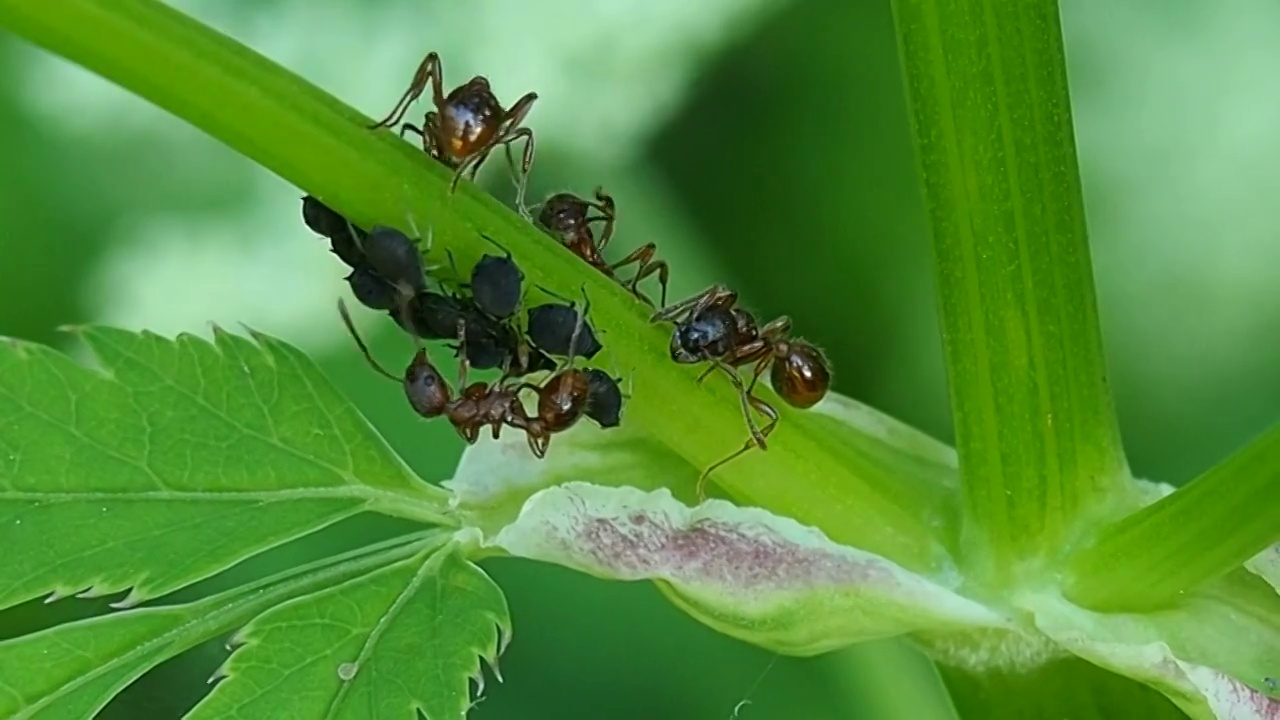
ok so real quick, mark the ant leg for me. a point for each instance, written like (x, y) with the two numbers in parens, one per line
(714, 296)
(761, 364)
(765, 409)
(740, 355)
(410, 127)
(604, 203)
(746, 399)
(364, 349)
(577, 325)
(462, 355)
(428, 72)
(777, 329)
(515, 115)
(520, 175)
(520, 206)
(643, 257)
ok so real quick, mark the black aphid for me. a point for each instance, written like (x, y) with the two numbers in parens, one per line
(496, 284)
(551, 326)
(434, 316)
(344, 238)
(604, 399)
(372, 291)
(395, 257)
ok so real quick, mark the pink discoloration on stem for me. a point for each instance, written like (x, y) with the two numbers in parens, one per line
(712, 552)
(1231, 699)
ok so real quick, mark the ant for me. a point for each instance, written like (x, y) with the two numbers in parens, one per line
(466, 125)
(562, 399)
(710, 327)
(568, 218)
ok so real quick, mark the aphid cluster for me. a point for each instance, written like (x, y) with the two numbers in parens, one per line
(480, 315)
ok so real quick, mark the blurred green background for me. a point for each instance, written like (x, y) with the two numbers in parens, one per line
(762, 143)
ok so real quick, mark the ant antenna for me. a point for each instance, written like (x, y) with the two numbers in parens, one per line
(351, 328)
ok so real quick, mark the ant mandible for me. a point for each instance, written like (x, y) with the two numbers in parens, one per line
(466, 125)
(569, 219)
(711, 328)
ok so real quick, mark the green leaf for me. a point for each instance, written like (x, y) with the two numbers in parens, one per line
(73, 670)
(404, 638)
(743, 571)
(1221, 519)
(1035, 427)
(176, 460)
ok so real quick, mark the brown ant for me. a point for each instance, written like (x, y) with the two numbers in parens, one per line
(711, 328)
(568, 217)
(563, 398)
(466, 125)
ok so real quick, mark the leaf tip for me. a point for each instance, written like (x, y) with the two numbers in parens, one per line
(128, 601)
(221, 673)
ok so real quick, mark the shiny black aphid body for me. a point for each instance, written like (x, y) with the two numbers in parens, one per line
(604, 401)
(392, 255)
(372, 291)
(496, 286)
(490, 342)
(344, 238)
(550, 329)
(708, 335)
(434, 316)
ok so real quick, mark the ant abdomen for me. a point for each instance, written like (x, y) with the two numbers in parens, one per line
(563, 400)
(801, 375)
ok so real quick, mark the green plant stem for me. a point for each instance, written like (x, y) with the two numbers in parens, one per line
(312, 140)
(1199, 533)
(1035, 426)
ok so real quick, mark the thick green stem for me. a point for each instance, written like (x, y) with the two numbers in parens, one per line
(314, 141)
(1202, 531)
(1035, 426)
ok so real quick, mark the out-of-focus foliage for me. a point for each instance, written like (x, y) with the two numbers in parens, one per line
(766, 147)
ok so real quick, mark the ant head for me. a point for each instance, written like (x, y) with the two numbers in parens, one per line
(710, 334)
(563, 213)
(425, 387)
(800, 374)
